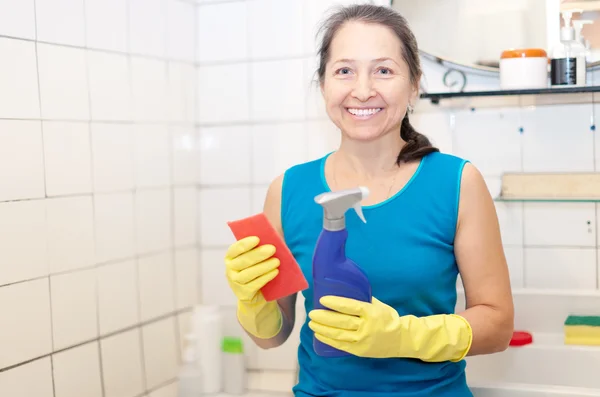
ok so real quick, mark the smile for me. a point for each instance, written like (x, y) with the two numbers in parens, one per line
(364, 113)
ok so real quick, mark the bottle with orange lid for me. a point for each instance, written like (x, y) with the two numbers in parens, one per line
(525, 68)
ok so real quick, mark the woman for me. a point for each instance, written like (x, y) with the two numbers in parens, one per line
(429, 218)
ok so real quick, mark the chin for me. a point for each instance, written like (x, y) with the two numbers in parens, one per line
(363, 134)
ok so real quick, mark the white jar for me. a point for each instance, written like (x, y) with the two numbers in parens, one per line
(523, 69)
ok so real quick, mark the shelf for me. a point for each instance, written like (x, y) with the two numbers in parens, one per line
(547, 200)
(436, 97)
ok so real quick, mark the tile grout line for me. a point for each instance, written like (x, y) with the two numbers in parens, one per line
(137, 326)
(93, 199)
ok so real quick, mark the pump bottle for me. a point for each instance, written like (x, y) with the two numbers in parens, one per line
(333, 272)
(564, 62)
(582, 51)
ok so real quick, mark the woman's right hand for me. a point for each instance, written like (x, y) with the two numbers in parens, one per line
(249, 267)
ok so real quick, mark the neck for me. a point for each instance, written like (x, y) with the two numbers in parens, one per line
(370, 159)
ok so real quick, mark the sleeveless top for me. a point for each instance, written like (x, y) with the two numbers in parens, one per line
(406, 248)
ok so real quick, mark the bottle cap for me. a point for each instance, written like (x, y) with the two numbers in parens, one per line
(232, 345)
(521, 338)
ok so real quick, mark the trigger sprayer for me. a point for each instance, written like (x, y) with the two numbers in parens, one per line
(333, 272)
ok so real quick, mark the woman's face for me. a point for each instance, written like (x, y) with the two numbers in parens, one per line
(367, 85)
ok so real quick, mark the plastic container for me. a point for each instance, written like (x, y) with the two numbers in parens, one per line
(207, 328)
(190, 375)
(234, 366)
(523, 69)
(333, 272)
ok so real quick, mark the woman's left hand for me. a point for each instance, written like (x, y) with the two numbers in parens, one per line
(376, 330)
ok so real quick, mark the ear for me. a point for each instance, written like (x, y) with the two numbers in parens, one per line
(414, 94)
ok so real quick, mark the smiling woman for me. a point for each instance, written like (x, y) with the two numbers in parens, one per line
(429, 218)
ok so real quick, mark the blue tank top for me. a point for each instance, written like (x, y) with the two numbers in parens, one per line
(407, 250)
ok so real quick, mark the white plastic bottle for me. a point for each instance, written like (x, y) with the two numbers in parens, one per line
(563, 64)
(207, 328)
(190, 374)
(582, 51)
(234, 366)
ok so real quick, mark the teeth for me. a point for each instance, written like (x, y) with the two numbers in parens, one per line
(364, 112)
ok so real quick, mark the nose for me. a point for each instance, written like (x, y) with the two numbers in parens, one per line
(363, 89)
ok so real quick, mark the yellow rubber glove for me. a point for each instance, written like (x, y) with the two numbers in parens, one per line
(248, 268)
(376, 330)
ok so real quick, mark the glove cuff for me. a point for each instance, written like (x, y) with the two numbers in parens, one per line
(260, 318)
(465, 337)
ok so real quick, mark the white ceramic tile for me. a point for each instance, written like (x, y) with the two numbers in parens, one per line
(315, 12)
(22, 231)
(160, 352)
(77, 372)
(63, 82)
(112, 148)
(149, 85)
(122, 364)
(278, 90)
(25, 337)
(152, 155)
(67, 158)
(222, 39)
(275, 28)
(568, 268)
(564, 224)
(157, 296)
(61, 21)
(17, 382)
(510, 217)
(214, 289)
(114, 222)
(315, 105)
(153, 220)
(110, 90)
(223, 93)
(169, 390)
(181, 92)
(185, 154)
(106, 24)
(74, 311)
(275, 148)
(490, 139)
(187, 263)
(186, 216)
(18, 80)
(117, 296)
(70, 233)
(225, 155)
(148, 27)
(17, 18)
(219, 206)
(558, 139)
(323, 137)
(259, 194)
(435, 126)
(21, 160)
(514, 259)
(181, 20)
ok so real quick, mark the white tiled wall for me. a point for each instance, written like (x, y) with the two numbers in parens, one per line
(99, 255)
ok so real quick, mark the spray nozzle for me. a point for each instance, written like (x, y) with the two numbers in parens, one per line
(335, 205)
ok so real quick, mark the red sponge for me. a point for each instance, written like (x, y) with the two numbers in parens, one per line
(290, 278)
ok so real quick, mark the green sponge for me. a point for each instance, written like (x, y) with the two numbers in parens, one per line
(582, 330)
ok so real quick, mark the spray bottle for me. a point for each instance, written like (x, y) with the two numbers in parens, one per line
(333, 272)
(582, 46)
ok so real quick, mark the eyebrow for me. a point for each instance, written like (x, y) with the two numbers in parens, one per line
(374, 60)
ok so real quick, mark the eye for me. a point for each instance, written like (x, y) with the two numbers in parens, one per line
(385, 71)
(343, 71)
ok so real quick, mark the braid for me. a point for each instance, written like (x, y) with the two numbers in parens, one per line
(417, 144)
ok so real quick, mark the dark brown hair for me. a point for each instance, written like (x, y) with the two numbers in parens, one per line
(417, 145)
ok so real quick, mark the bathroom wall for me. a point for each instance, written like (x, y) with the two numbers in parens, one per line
(98, 195)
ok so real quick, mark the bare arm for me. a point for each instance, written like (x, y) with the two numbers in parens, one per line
(483, 268)
(272, 209)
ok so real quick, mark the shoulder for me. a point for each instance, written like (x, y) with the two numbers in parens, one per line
(440, 158)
